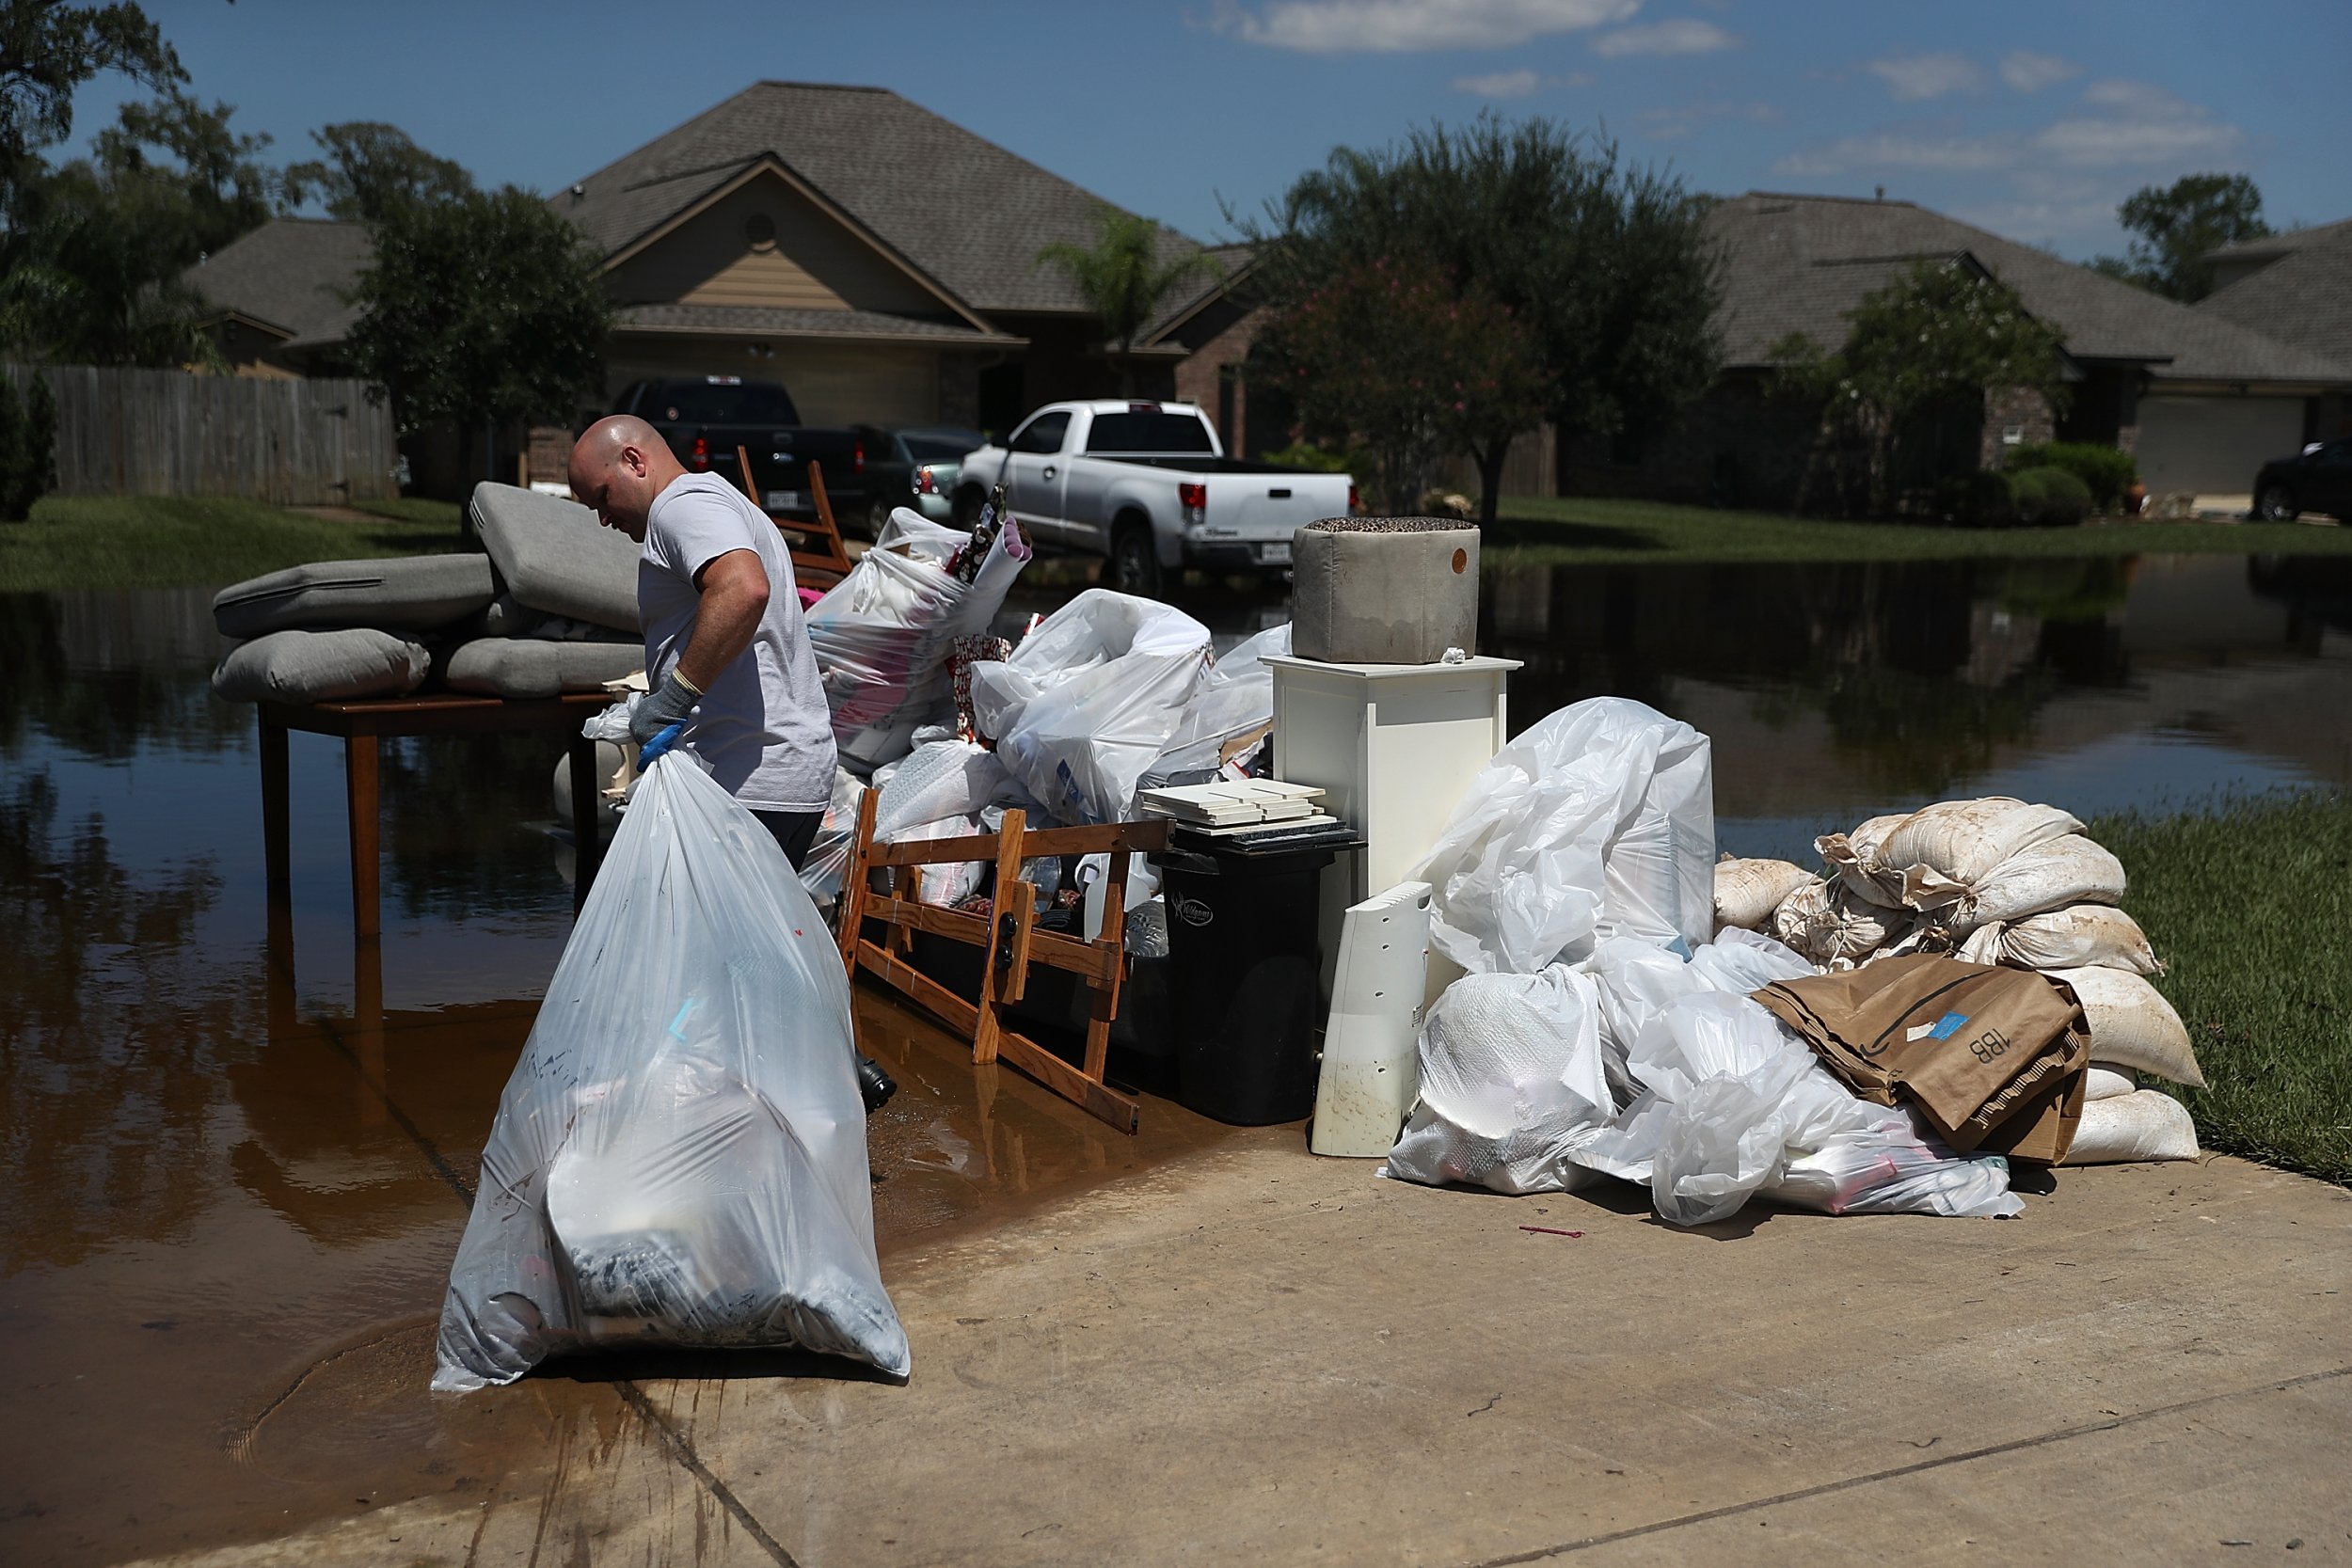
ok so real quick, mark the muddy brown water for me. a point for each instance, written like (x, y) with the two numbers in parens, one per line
(235, 1150)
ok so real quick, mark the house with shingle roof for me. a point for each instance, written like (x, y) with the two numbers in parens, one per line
(877, 258)
(281, 293)
(2295, 289)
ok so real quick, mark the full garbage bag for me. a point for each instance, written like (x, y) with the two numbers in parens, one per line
(1599, 821)
(679, 1156)
(1087, 700)
(1235, 699)
(883, 634)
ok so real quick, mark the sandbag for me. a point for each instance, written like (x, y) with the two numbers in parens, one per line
(1747, 891)
(2045, 875)
(1849, 855)
(321, 667)
(554, 557)
(414, 593)
(679, 1155)
(608, 759)
(2101, 1081)
(1941, 852)
(1828, 921)
(1597, 821)
(2073, 937)
(1088, 698)
(537, 667)
(2131, 1025)
(1510, 1079)
(2149, 1124)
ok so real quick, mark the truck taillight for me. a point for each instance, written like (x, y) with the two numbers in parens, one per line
(1193, 497)
(926, 483)
(700, 456)
(857, 458)
(1354, 502)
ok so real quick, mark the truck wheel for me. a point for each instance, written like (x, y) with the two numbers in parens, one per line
(1135, 563)
(2277, 505)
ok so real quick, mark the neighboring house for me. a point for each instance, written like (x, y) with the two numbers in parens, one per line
(878, 259)
(282, 293)
(2200, 399)
(2295, 289)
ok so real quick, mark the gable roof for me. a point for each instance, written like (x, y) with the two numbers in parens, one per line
(2303, 299)
(288, 274)
(1798, 264)
(968, 213)
(2280, 244)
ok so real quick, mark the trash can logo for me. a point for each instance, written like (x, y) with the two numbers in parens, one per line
(1195, 911)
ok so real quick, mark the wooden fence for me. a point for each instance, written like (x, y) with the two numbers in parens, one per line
(125, 432)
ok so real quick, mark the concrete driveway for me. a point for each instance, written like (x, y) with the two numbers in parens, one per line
(1256, 1357)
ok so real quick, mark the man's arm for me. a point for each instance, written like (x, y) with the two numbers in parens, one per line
(734, 589)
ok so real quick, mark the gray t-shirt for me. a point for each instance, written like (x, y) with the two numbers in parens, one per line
(763, 726)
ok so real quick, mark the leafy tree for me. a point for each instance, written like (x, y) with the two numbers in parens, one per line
(1123, 280)
(369, 167)
(484, 307)
(1389, 352)
(1604, 266)
(47, 50)
(28, 445)
(1940, 336)
(2178, 226)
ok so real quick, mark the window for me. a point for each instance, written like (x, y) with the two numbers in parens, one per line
(1042, 435)
(747, 402)
(1148, 433)
(935, 448)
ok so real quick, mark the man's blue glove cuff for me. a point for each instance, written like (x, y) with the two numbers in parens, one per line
(659, 744)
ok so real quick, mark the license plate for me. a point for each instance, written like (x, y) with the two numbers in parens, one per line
(1274, 555)
(787, 501)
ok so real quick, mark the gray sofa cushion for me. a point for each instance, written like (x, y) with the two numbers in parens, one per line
(321, 667)
(415, 594)
(539, 667)
(556, 558)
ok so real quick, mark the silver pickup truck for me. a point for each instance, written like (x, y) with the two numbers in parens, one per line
(1147, 485)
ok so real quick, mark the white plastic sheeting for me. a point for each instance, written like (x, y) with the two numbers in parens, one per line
(679, 1156)
(1235, 697)
(1599, 821)
(1089, 698)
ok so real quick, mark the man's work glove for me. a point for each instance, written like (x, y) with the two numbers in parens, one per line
(668, 703)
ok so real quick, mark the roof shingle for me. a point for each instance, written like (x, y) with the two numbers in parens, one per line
(2304, 299)
(291, 273)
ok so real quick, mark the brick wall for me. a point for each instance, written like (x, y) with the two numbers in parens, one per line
(1200, 378)
(2015, 408)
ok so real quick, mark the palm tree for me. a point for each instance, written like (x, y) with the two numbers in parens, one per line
(1122, 278)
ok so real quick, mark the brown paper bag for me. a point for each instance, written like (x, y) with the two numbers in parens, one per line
(1993, 1057)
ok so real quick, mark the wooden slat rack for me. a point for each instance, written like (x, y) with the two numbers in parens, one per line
(1008, 936)
(825, 563)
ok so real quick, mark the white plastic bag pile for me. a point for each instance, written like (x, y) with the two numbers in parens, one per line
(1598, 1032)
(884, 634)
(679, 1156)
(1998, 881)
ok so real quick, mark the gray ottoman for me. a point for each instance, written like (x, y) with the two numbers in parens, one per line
(1384, 590)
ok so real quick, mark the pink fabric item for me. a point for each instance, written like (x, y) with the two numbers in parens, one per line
(808, 596)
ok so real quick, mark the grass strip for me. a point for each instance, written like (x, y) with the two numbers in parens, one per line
(2247, 901)
(1592, 530)
(179, 542)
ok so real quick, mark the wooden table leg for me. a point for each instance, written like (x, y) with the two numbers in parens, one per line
(275, 831)
(360, 758)
(367, 1018)
(587, 848)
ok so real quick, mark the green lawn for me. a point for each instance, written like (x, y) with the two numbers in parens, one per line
(2248, 902)
(153, 542)
(1594, 532)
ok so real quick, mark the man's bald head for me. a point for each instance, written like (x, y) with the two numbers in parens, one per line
(618, 466)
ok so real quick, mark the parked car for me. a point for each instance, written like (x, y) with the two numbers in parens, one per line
(927, 461)
(2319, 480)
(1147, 485)
(706, 418)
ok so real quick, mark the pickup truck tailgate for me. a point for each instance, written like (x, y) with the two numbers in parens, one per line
(1274, 506)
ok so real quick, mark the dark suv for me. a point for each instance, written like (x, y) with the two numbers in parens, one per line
(2318, 481)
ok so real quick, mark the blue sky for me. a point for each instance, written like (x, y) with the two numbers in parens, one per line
(2033, 120)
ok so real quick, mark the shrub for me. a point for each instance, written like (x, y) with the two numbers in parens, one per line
(2105, 471)
(1976, 499)
(28, 445)
(2048, 497)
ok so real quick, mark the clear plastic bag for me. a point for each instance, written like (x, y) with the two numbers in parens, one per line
(1088, 698)
(679, 1156)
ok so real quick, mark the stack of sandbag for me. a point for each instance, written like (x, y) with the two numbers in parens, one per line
(883, 635)
(549, 607)
(1997, 880)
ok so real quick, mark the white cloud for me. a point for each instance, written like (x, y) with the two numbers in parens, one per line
(1893, 149)
(2028, 71)
(1685, 34)
(1398, 26)
(2143, 124)
(1912, 77)
(1517, 83)
(1667, 124)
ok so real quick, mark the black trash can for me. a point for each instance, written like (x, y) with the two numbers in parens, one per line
(1246, 964)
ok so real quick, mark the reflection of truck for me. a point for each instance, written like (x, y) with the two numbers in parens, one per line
(1148, 485)
(706, 418)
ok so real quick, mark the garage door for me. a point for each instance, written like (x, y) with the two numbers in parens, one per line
(2212, 446)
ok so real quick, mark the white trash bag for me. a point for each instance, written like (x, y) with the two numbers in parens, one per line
(1088, 698)
(680, 1157)
(1235, 698)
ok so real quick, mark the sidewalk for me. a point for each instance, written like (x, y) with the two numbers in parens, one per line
(1256, 1356)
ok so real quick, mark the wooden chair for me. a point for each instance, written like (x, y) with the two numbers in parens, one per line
(1008, 935)
(828, 562)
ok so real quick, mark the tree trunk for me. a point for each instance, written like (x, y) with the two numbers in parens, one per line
(1490, 463)
(1126, 370)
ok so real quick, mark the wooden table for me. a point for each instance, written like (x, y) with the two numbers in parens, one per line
(364, 722)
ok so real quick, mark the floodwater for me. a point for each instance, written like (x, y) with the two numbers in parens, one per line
(236, 1151)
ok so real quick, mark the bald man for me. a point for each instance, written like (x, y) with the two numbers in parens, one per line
(726, 647)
